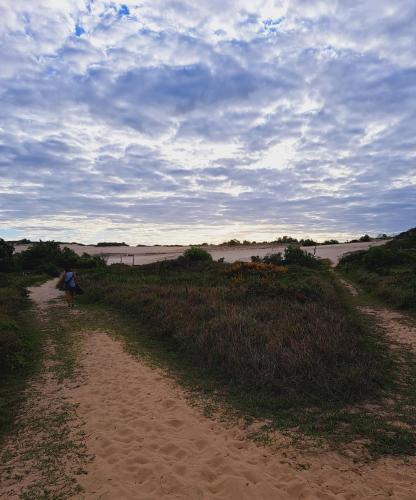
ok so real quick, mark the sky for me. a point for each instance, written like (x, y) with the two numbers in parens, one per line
(177, 121)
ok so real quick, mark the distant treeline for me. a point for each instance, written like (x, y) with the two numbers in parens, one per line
(111, 244)
(304, 242)
(281, 240)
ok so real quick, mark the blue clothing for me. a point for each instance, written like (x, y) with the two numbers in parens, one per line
(70, 280)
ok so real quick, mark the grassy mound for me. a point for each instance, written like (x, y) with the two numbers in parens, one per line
(284, 329)
(388, 271)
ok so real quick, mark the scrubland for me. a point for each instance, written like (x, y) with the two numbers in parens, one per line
(277, 339)
(388, 272)
(284, 328)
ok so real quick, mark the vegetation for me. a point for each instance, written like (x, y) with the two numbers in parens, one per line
(111, 244)
(292, 256)
(6, 256)
(44, 257)
(280, 327)
(195, 254)
(387, 271)
(275, 341)
(20, 345)
(20, 339)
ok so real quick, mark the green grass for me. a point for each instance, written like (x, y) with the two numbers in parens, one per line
(20, 344)
(387, 272)
(51, 442)
(323, 392)
(266, 326)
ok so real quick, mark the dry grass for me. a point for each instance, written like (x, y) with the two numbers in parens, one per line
(262, 325)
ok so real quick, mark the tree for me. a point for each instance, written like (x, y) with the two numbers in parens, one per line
(6, 256)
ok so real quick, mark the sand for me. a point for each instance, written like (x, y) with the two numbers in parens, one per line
(148, 442)
(146, 255)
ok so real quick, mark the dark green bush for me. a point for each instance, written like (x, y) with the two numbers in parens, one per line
(48, 257)
(197, 254)
(18, 343)
(274, 258)
(6, 256)
(296, 256)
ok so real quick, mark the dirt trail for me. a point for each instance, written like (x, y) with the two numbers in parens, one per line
(396, 325)
(149, 443)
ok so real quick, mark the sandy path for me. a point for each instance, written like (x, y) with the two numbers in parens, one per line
(150, 444)
(396, 325)
(44, 293)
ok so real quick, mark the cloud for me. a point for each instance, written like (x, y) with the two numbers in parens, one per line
(215, 119)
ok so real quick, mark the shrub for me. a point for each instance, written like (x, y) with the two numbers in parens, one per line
(6, 256)
(197, 254)
(296, 256)
(274, 258)
(48, 257)
(308, 242)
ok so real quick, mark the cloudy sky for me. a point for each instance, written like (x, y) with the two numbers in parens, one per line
(176, 121)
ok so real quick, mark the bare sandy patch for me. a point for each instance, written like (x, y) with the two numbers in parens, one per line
(149, 443)
(396, 325)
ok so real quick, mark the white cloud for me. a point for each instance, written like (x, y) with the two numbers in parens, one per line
(257, 113)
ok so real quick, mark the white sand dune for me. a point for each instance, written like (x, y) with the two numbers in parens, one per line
(146, 255)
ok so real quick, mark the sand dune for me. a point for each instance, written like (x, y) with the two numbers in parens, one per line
(146, 255)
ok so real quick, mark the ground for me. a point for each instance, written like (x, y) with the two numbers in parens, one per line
(99, 422)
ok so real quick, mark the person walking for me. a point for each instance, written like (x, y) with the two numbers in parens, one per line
(70, 286)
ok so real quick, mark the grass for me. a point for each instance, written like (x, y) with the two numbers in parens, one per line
(387, 272)
(249, 340)
(20, 344)
(51, 445)
(281, 328)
